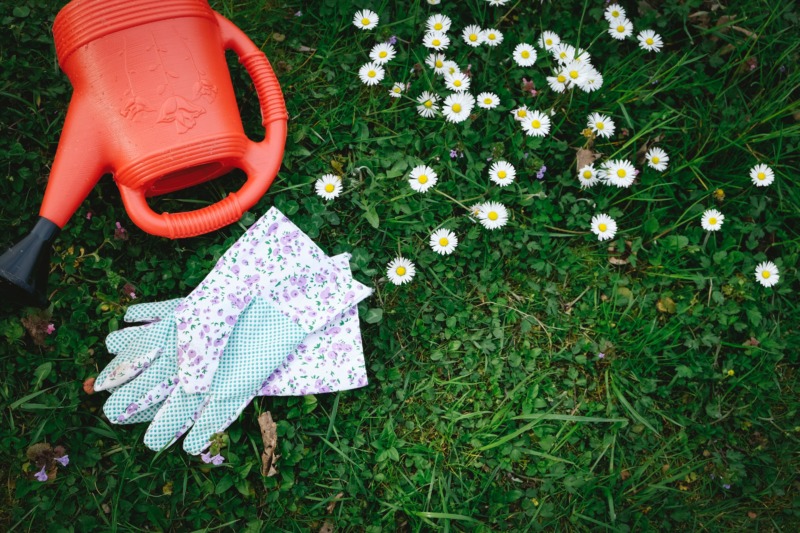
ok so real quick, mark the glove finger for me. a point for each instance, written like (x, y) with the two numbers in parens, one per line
(120, 401)
(175, 417)
(116, 341)
(151, 311)
(124, 368)
(215, 418)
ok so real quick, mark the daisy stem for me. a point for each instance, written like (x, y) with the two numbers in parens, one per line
(437, 191)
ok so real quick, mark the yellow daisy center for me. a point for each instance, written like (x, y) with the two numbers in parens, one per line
(602, 227)
(765, 274)
(731, 372)
(443, 241)
(439, 63)
(615, 14)
(549, 42)
(491, 36)
(428, 103)
(372, 73)
(473, 37)
(525, 54)
(487, 101)
(536, 124)
(649, 40)
(401, 271)
(522, 113)
(600, 126)
(573, 74)
(329, 187)
(365, 21)
(396, 89)
(621, 28)
(563, 55)
(621, 173)
(493, 215)
(457, 108)
(587, 174)
(502, 174)
(712, 221)
(438, 26)
(383, 53)
(457, 83)
(761, 176)
(656, 159)
(561, 78)
(423, 179)
(436, 42)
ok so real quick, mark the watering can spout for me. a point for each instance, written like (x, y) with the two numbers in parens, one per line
(24, 267)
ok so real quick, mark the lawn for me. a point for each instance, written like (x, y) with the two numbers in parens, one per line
(536, 378)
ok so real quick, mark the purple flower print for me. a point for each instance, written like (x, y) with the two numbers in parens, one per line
(132, 408)
(230, 320)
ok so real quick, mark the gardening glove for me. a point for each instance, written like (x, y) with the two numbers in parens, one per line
(274, 260)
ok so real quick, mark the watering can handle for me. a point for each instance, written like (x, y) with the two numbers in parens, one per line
(261, 160)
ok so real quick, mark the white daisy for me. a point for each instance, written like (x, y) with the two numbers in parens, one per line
(767, 273)
(582, 56)
(620, 28)
(436, 62)
(457, 107)
(604, 227)
(558, 82)
(371, 73)
(592, 81)
(400, 270)
(328, 186)
(365, 19)
(712, 220)
(536, 124)
(548, 40)
(650, 41)
(438, 23)
(457, 82)
(657, 159)
(614, 12)
(601, 125)
(397, 90)
(493, 215)
(492, 37)
(762, 175)
(563, 53)
(502, 173)
(443, 241)
(524, 55)
(588, 176)
(488, 100)
(472, 35)
(576, 73)
(619, 172)
(436, 40)
(422, 178)
(497, 2)
(520, 113)
(428, 104)
(434, 2)
(382, 53)
(451, 67)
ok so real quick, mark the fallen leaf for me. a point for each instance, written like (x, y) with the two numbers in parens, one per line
(327, 527)
(751, 342)
(625, 474)
(167, 488)
(666, 305)
(642, 151)
(269, 437)
(586, 156)
(88, 385)
(332, 505)
(751, 515)
(279, 37)
(618, 261)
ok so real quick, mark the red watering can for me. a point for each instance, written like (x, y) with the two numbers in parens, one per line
(153, 105)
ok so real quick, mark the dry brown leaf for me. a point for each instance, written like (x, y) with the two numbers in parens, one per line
(700, 18)
(586, 156)
(279, 37)
(332, 505)
(327, 527)
(618, 261)
(625, 474)
(666, 305)
(642, 151)
(752, 342)
(269, 436)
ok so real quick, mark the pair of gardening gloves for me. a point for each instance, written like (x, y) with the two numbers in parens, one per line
(275, 317)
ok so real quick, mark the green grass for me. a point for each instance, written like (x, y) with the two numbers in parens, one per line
(488, 408)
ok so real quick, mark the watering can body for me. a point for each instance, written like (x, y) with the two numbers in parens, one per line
(153, 105)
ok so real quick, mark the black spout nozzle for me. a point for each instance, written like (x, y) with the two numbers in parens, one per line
(24, 267)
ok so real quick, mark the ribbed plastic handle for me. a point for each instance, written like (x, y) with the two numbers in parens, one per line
(261, 160)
